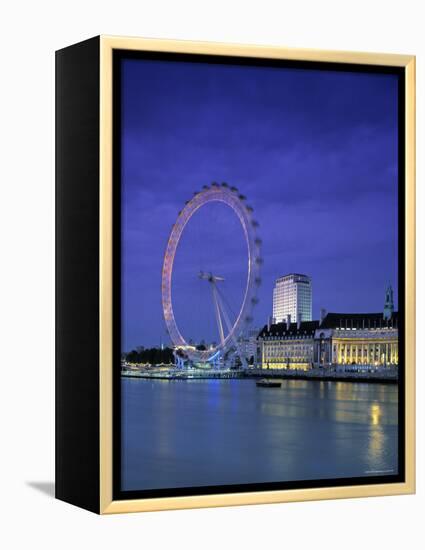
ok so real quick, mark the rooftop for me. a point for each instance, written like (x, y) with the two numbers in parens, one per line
(332, 321)
(281, 329)
(359, 320)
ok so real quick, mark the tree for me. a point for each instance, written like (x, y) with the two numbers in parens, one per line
(154, 356)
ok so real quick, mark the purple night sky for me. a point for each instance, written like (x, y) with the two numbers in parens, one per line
(315, 152)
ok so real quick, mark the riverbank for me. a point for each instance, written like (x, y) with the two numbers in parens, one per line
(389, 377)
(180, 374)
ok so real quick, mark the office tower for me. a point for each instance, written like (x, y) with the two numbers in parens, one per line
(292, 295)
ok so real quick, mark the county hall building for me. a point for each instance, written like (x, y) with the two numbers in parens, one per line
(344, 341)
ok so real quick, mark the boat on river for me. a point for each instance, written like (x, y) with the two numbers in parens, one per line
(264, 383)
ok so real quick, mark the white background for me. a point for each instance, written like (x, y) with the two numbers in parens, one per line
(30, 31)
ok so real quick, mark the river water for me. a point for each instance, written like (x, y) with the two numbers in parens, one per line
(221, 432)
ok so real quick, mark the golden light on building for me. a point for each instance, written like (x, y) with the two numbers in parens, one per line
(343, 341)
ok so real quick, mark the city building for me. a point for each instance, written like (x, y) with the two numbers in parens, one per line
(341, 341)
(292, 298)
(287, 345)
(248, 345)
(358, 340)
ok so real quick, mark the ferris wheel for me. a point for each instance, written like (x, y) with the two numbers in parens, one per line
(229, 330)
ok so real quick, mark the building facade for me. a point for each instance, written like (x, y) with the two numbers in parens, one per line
(342, 341)
(287, 345)
(292, 298)
(354, 341)
(248, 345)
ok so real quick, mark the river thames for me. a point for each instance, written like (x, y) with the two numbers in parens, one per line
(220, 432)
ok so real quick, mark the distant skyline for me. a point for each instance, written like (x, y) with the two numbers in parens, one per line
(315, 152)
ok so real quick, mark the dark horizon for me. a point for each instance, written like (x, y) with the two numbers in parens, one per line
(315, 152)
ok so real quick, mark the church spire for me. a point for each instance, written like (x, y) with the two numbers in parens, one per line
(389, 303)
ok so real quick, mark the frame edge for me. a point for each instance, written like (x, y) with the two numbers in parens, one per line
(107, 504)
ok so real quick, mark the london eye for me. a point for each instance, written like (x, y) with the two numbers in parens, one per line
(229, 330)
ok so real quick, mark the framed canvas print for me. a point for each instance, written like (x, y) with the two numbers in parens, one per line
(235, 274)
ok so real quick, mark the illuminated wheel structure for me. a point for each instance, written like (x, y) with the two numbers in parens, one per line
(229, 340)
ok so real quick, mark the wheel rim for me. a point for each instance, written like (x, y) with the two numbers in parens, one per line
(232, 198)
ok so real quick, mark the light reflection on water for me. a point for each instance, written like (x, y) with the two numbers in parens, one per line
(217, 432)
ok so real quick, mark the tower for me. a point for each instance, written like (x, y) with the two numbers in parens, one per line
(389, 303)
(292, 295)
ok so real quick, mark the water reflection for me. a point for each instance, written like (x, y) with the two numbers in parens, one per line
(375, 413)
(229, 431)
